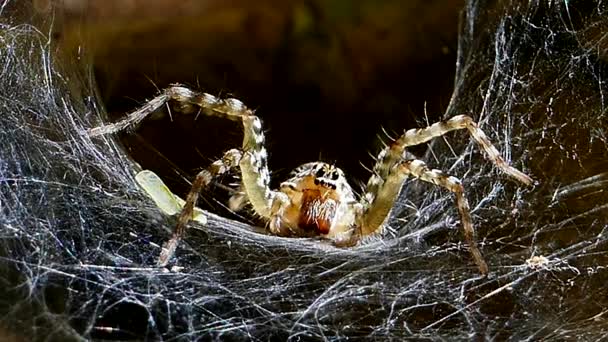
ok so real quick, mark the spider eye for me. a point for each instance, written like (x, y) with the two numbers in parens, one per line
(335, 175)
(320, 172)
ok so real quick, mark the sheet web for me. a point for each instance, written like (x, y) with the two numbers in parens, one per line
(79, 239)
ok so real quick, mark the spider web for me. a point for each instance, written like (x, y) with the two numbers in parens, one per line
(79, 239)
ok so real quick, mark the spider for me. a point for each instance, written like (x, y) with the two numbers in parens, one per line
(316, 201)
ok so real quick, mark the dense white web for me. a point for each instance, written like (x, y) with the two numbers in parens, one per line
(79, 240)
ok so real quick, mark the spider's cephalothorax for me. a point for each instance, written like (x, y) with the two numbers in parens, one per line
(321, 203)
(316, 200)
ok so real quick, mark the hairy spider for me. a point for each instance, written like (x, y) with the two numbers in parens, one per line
(316, 200)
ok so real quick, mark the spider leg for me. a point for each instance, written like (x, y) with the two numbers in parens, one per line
(419, 170)
(393, 154)
(229, 161)
(253, 164)
(389, 173)
(374, 218)
(379, 196)
(186, 100)
(252, 160)
(238, 200)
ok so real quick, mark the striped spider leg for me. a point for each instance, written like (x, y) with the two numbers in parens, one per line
(250, 159)
(391, 171)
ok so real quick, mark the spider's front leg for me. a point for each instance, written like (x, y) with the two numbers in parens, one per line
(253, 165)
(390, 172)
(186, 102)
(255, 175)
(251, 160)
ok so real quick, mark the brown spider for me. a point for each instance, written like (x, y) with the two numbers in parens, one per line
(316, 200)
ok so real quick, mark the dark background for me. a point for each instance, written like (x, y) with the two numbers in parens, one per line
(325, 77)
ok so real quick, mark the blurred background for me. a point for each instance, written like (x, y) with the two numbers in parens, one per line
(326, 77)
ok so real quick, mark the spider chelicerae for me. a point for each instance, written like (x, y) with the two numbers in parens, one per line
(316, 200)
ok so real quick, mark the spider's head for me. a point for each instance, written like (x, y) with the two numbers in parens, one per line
(322, 175)
(321, 201)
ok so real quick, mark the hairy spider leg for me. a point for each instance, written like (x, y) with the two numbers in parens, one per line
(255, 176)
(418, 169)
(382, 188)
(377, 202)
(393, 153)
(186, 101)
